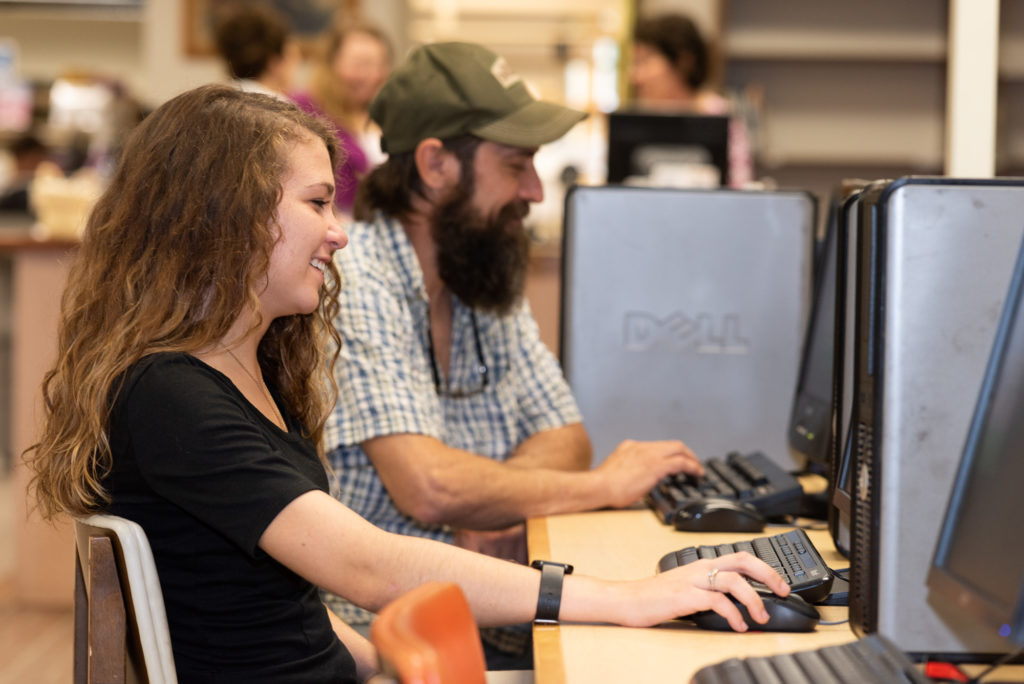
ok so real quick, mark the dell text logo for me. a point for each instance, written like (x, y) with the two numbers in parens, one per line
(678, 332)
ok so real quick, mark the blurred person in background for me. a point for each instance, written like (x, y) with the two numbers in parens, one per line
(353, 66)
(669, 72)
(27, 152)
(256, 45)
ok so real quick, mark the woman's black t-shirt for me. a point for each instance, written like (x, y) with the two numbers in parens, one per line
(204, 473)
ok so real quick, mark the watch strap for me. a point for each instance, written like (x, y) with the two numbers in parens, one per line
(549, 600)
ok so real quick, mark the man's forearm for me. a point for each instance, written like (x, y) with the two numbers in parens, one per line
(485, 495)
(437, 484)
(440, 485)
(562, 448)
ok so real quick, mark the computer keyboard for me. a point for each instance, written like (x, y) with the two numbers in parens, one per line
(752, 478)
(790, 553)
(870, 660)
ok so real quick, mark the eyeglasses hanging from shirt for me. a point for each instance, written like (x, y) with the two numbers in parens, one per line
(480, 370)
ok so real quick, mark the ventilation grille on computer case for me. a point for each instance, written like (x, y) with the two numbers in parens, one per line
(864, 563)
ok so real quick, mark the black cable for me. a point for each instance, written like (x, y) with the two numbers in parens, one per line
(998, 663)
(790, 521)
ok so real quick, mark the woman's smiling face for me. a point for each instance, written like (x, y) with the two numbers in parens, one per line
(309, 232)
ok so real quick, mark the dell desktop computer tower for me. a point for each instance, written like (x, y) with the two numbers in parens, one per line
(683, 315)
(935, 260)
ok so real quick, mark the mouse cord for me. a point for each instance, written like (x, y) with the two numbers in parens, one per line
(791, 521)
(813, 527)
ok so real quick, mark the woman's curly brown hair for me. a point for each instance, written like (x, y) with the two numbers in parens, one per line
(173, 252)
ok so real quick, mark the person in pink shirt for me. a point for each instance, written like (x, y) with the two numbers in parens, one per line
(356, 62)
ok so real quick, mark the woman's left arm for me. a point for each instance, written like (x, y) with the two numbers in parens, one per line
(331, 546)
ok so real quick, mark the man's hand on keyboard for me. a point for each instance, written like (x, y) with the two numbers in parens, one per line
(705, 585)
(634, 468)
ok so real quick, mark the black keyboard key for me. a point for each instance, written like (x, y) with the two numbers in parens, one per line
(688, 555)
(817, 670)
(842, 660)
(663, 504)
(690, 492)
(745, 546)
(721, 674)
(753, 474)
(735, 672)
(677, 493)
(713, 483)
(884, 657)
(762, 671)
(733, 480)
(788, 669)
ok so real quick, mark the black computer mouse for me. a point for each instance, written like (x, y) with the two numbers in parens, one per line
(789, 614)
(718, 515)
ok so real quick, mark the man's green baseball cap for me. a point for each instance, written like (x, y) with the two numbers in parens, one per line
(448, 89)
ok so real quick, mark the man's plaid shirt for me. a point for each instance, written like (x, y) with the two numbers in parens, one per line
(386, 385)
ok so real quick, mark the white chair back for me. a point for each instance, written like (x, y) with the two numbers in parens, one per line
(143, 597)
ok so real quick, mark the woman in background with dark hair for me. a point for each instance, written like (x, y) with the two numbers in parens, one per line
(256, 44)
(669, 71)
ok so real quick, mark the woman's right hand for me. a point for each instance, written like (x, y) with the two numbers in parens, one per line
(701, 585)
(706, 584)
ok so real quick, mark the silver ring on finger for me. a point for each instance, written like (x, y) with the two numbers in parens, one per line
(711, 578)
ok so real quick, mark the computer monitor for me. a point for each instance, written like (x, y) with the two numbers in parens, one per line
(811, 421)
(843, 354)
(978, 569)
(663, 146)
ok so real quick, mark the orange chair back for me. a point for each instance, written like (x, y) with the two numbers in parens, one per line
(429, 636)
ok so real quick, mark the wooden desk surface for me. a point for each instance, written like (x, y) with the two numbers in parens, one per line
(627, 545)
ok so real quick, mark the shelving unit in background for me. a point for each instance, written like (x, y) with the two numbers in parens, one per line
(852, 89)
(844, 89)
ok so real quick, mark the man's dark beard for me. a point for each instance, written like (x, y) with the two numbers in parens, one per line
(482, 259)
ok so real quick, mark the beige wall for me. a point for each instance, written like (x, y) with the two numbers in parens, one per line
(706, 13)
(143, 49)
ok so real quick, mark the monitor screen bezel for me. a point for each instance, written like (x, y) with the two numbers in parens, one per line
(843, 446)
(671, 128)
(820, 330)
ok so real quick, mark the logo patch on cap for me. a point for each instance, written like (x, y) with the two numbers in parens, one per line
(503, 73)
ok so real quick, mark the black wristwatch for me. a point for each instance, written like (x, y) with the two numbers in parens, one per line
(550, 599)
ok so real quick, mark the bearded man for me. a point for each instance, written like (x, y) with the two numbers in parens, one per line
(454, 421)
